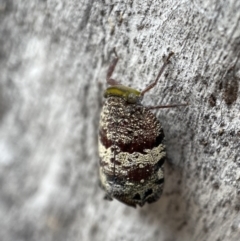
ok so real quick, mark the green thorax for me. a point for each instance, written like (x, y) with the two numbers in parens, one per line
(131, 95)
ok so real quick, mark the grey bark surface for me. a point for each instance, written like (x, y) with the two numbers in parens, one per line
(53, 61)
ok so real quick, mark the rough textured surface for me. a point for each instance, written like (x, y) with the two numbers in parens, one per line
(53, 60)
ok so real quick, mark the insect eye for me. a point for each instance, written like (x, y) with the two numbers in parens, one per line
(132, 98)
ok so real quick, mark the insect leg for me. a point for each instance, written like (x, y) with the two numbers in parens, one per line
(159, 74)
(165, 106)
(111, 68)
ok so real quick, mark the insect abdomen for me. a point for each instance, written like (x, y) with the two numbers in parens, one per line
(131, 152)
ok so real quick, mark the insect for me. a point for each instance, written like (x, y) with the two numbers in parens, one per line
(131, 148)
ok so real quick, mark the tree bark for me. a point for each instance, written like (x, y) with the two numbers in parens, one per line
(53, 61)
